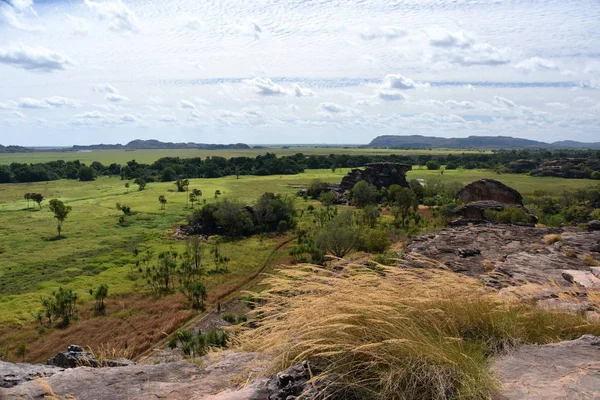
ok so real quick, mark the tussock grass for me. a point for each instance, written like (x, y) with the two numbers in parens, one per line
(552, 238)
(589, 259)
(402, 334)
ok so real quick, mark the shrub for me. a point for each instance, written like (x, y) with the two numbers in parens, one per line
(552, 238)
(315, 188)
(363, 194)
(374, 241)
(397, 333)
(339, 236)
(511, 215)
(595, 215)
(589, 259)
(433, 165)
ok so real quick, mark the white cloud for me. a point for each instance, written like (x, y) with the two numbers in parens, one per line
(558, 105)
(18, 114)
(116, 98)
(331, 107)
(439, 37)
(398, 81)
(80, 26)
(193, 23)
(97, 118)
(120, 18)
(536, 64)
(58, 102)
(105, 88)
(32, 103)
(167, 118)
(8, 106)
(504, 102)
(128, 118)
(390, 95)
(302, 92)
(186, 104)
(265, 87)
(37, 59)
(383, 32)
(453, 104)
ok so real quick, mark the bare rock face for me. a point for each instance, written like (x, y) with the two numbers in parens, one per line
(507, 255)
(377, 174)
(566, 370)
(489, 189)
(13, 374)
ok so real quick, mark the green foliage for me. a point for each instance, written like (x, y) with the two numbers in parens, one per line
(327, 198)
(99, 295)
(163, 201)
(433, 165)
(195, 196)
(363, 194)
(124, 208)
(369, 216)
(576, 214)
(161, 275)
(274, 213)
(402, 199)
(38, 198)
(168, 175)
(595, 175)
(182, 185)
(141, 182)
(339, 236)
(86, 174)
(198, 344)
(374, 241)
(234, 319)
(316, 187)
(61, 305)
(220, 261)
(61, 211)
(510, 215)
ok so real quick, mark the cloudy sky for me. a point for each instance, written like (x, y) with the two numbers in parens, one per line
(297, 71)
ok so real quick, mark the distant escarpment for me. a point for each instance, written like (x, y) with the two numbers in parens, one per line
(139, 144)
(473, 142)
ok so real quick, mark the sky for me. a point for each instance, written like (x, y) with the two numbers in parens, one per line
(297, 71)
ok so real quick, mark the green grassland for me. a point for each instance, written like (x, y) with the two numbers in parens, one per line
(97, 250)
(148, 156)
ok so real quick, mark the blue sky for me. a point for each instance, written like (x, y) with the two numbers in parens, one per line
(282, 71)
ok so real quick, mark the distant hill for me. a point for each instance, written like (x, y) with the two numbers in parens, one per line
(15, 149)
(139, 144)
(473, 142)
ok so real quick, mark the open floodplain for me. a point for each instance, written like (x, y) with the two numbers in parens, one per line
(99, 248)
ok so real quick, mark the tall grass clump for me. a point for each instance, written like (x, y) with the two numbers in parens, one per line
(402, 334)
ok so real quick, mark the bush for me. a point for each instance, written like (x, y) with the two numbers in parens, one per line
(433, 165)
(363, 194)
(595, 175)
(374, 241)
(397, 333)
(577, 214)
(339, 236)
(86, 174)
(316, 187)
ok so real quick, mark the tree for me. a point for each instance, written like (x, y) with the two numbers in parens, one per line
(217, 193)
(38, 198)
(99, 295)
(125, 208)
(168, 175)
(86, 174)
(433, 165)
(363, 193)
(196, 293)
(404, 199)
(127, 186)
(339, 236)
(27, 197)
(195, 196)
(141, 182)
(327, 198)
(161, 276)
(182, 185)
(369, 215)
(61, 304)
(60, 213)
(221, 261)
(163, 201)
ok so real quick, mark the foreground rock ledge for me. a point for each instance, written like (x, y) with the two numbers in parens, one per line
(567, 370)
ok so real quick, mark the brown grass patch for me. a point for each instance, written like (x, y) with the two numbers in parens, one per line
(552, 238)
(589, 259)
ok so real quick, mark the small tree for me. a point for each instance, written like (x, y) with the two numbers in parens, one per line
(182, 185)
(339, 236)
(141, 182)
(195, 196)
(163, 201)
(60, 305)
(432, 165)
(27, 197)
(60, 213)
(404, 199)
(363, 193)
(217, 193)
(38, 198)
(196, 293)
(370, 215)
(127, 186)
(99, 295)
(221, 261)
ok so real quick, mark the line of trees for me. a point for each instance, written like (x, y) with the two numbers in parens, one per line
(169, 169)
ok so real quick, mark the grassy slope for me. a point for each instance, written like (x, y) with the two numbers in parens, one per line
(148, 156)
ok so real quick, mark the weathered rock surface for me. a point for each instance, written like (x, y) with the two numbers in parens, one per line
(292, 384)
(489, 189)
(508, 254)
(13, 374)
(593, 225)
(181, 380)
(584, 279)
(76, 356)
(377, 174)
(567, 370)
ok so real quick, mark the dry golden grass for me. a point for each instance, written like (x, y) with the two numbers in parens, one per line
(552, 238)
(589, 259)
(397, 333)
(570, 253)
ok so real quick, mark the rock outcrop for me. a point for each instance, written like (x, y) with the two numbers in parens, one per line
(508, 255)
(14, 374)
(377, 174)
(566, 370)
(76, 356)
(489, 189)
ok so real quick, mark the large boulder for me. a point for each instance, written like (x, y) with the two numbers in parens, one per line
(489, 189)
(76, 356)
(377, 174)
(14, 374)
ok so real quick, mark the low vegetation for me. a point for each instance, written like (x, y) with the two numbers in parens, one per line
(396, 333)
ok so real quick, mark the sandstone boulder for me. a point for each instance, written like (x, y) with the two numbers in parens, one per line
(14, 374)
(489, 189)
